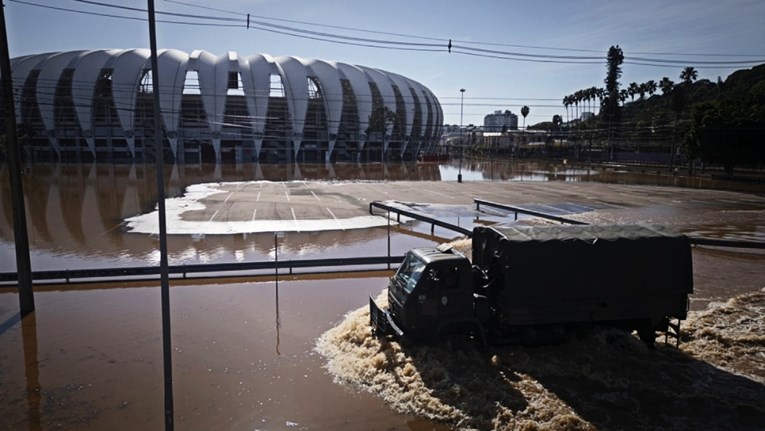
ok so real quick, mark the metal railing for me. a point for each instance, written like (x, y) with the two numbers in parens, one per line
(433, 222)
(519, 210)
(205, 270)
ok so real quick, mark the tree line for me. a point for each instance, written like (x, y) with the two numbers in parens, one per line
(719, 123)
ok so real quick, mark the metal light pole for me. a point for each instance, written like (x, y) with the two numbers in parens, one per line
(163, 265)
(462, 150)
(20, 233)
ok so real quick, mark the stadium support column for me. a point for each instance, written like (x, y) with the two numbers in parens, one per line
(20, 236)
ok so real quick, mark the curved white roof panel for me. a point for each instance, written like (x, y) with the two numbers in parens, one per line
(295, 80)
(127, 72)
(20, 71)
(84, 81)
(172, 66)
(47, 83)
(255, 71)
(360, 85)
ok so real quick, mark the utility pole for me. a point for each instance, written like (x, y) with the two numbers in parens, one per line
(462, 145)
(163, 270)
(20, 236)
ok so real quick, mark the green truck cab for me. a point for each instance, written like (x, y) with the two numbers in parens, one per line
(431, 292)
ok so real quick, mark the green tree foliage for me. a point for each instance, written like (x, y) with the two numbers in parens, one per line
(380, 119)
(611, 99)
(728, 132)
(666, 85)
(557, 120)
(689, 74)
(525, 111)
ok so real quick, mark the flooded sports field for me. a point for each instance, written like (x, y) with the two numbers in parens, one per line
(251, 354)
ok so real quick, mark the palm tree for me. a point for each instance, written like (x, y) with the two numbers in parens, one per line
(650, 87)
(633, 90)
(577, 98)
(623, 95)
(524, 111)
(592, 92)
(601, 97)
(641, 89)
(666, 85)
(689, 74)
(567, 103)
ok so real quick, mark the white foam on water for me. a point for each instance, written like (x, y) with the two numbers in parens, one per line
(192, 201)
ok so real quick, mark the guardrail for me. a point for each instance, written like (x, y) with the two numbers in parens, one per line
(517, 210)
(433, 222)
(148, 272)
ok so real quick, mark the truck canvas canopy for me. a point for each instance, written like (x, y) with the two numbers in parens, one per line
(585, 273)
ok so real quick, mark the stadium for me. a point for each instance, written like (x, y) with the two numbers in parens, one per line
(98, 105)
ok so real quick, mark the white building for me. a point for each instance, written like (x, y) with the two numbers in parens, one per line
(499, 120)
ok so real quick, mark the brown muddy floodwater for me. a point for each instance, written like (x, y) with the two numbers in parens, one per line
(246, 358)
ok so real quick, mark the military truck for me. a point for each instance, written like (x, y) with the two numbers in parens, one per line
(526, 281)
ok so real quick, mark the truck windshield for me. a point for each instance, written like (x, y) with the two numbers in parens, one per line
(409, 272)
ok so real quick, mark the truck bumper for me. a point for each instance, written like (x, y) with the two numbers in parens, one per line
(381, 321)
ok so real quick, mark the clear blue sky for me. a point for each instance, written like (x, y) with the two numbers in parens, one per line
(716, 30)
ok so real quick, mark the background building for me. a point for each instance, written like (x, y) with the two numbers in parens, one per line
(85, 105)
(499, 121)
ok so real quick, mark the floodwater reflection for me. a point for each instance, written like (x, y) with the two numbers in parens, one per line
(77, 211)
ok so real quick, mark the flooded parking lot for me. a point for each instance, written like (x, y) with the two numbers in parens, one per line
(91, 355)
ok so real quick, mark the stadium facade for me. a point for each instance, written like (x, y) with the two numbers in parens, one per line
(86, 105)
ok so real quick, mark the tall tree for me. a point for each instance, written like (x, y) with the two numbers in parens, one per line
(601, 96)
(567, 103)
(577, 98)
(614, 67)
(524, 111)
(689, 74)
(380, 120)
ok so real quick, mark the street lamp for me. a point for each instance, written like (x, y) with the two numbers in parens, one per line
(462, 99)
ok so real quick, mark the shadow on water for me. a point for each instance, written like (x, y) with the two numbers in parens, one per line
(10, 323)
(31, 370)
(613, 382)
(31, 365)
(605, 380)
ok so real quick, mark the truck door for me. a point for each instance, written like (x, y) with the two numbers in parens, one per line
(446, 294)
(455, 299)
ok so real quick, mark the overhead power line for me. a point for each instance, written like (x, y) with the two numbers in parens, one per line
(444, 40)
(428, 44)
